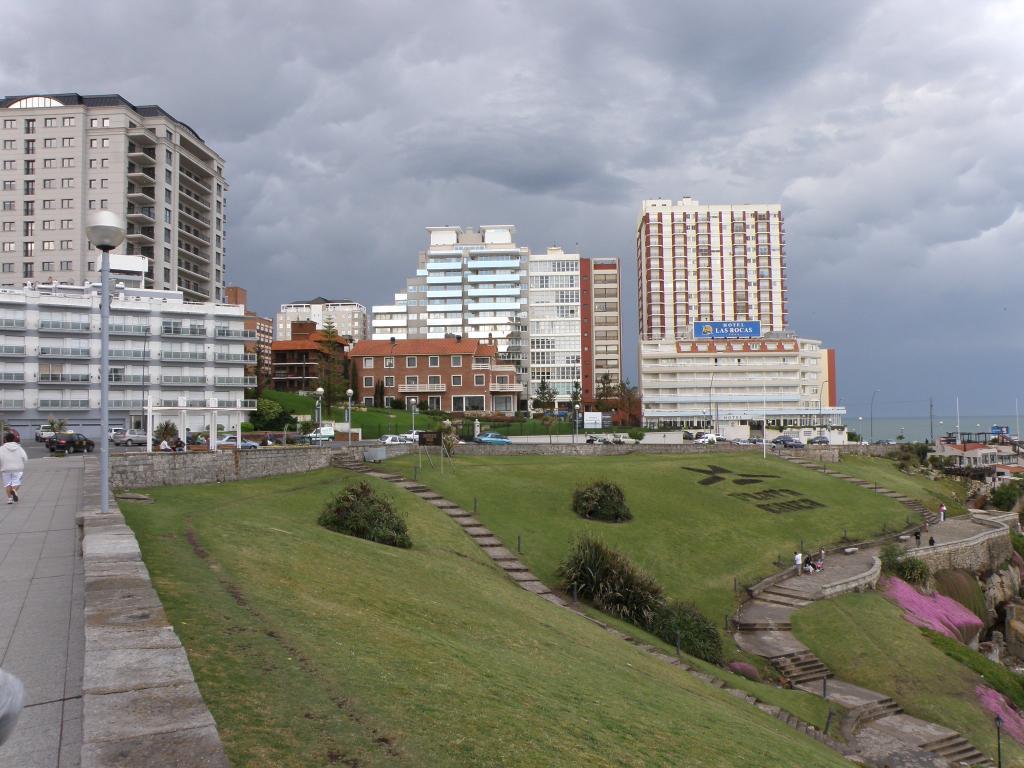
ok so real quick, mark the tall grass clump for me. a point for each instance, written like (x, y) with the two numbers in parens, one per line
(595, 572)
(895, 562)
(601, 500)
(362, 512)
(965, 589)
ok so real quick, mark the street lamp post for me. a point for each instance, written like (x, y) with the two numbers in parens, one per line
(105, 230)
(575, 420)
(999, 741)
(348, 414)
(820, 388)
(319, 416)
(872, 415)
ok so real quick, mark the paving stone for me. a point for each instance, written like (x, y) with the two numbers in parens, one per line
(497, 552)
(119, 637)
(522, 576)
(478, 530)
(537, 587)
(511, 565)
(468, 522)
(129, 669)
(110, 547)
(130, 714)
(488, 541)
(194, 748)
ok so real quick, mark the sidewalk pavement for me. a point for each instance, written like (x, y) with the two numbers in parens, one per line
(42, 638)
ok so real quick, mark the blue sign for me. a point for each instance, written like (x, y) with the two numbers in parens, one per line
(997, 430)
(747, 329)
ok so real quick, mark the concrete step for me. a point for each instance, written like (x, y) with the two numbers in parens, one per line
(771, 597)
(876, 710)
(762, 626)
(957, 750)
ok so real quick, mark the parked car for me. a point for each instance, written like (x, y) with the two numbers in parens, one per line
(70, 442)
(787, 441)
(743, 441)
(130, 437)
(599, 440)
(44, 433)
(687, 434)
(707, 439)
(413, 435)
(115, 431)
(493, 438)
(394, 440)
(819, 440)
(231, 441)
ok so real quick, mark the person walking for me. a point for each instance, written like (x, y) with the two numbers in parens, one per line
(12, 466)
(942, 513)
(798, 561)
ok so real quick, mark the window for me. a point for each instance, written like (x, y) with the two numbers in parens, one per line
(167, 196)
(67, 141)
(457, 362)
(167, 214)
(67, 183)
(9, 247)
(65, 266)
(49, 183)
(167, 235)
(8, 266)
(367, 381)
(67, 162)
(10, 185)
(65, 223)
(48, 224)
(30, 166)
(48, 204)
(10, 165)
(434, 362)
(456, 381)
(169, 157)
(8, 226)
(478, 380)
(27, 269)
(66, 203)
(9, 124)
(168, 178)
(10, 144)
(49, 162)
(389, 362)
(46, 266)
(49, 245)
(30, 186)
(49, 143)
(68, 122)
(91, 266)
(28, 228)
(389, 381)
(167, 255)
(434, 380)
(167, 275)
(410, 361)
(367, 362)
(8, 205)
(65, 245)
(412, 381)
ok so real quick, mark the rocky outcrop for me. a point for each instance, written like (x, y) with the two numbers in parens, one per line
(1001, 588)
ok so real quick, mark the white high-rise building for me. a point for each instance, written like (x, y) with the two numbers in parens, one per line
(349, 317)
(555, 323)
(62, 155)
(715, 347)
(469, 283)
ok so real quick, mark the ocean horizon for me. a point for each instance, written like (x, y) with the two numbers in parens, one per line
(915, 428)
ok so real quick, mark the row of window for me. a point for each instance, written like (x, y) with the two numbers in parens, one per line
(48, 122)
(479, 380)
(27, 269)
(48, 245)
(433, 361)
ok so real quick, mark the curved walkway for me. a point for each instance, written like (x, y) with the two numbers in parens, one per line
(876, 728)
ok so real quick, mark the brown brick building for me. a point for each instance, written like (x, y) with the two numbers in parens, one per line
(300, 363)
(262, 329)
(453, 375)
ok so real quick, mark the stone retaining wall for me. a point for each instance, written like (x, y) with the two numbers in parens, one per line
(984, 551)
(857, 583)
(140, 702)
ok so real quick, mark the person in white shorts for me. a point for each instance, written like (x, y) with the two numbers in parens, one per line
(12, 466)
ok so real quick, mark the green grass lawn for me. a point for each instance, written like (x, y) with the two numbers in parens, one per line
(314, 648)
(931, 493)
(373, 421)
(694, 538)
(865, 640)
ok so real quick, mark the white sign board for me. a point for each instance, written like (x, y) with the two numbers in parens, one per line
(592, 420)
(301, 417)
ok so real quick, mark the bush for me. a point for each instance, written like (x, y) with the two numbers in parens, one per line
(246, 426)
(961, 586)
(697, 635)
(636, 434)
(895, 562)
(601, 501)
(1006, 495)
(890, 555)
(1017, 540)
(361, 512)
(610, 581)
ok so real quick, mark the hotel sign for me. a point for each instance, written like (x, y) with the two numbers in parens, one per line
(727, 330)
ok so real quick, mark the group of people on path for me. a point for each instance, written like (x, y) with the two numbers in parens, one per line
(807, 564)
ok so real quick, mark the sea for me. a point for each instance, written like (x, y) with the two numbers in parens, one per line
(918, 428)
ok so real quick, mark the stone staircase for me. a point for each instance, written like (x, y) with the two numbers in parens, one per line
(761, 626)
(800, 667)
(780, 595)
(875, 710)
(957, 750)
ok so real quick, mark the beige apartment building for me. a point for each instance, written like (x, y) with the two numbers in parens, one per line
(349, 317)
(62, 155)
(716, 350)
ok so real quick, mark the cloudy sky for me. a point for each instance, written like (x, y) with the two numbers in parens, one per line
(889, 131)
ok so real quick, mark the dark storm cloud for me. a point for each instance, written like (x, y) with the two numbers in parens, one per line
(888, 131)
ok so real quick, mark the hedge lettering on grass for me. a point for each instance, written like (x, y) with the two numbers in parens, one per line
(595, 572)
(362, 512)
(601, 500)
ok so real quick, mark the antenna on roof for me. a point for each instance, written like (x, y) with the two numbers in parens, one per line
(392, 341)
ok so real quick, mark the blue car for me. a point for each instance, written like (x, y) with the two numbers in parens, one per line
(493, 438)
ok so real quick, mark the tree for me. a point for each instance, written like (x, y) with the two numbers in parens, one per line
(545, 397)
(57, 425)
(378, 394)
(576, 395)
(606, 392)
(165, 430)
(269, 414)
(629, 402)
(332, 362)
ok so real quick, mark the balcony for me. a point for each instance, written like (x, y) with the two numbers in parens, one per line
(186, 176)
(64, 405)
(198, 218)
(127, 379)
(195, 235)
(248, 405)
(139, 175)
(63, 352)
(12, 350)
(235, 381)
(482, 366)
(142, 136)
(234, 357)
(12, 405)
(144, 156)
(70, 326)
(127, 405)
(140, 214)
(12, 322)
(143, 196)
(15, 376)
(128, 330)
(183, 330)
(63, 378)
(190, 381)
(129, 354)
(513, 387)
(184, 192)
(235, 333)
(422, 388)
(181, 355)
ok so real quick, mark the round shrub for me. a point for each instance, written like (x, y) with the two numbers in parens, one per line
(601, 501)
(247, 426)
(697, 635)
(913, 570)
(362, 512)
(743, 669)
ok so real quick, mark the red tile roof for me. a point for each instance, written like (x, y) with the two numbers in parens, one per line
(423, 347)
(312, 342)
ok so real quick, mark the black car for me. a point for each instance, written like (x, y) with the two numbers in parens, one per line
(70, 442)
(819, 440)
(787, 441)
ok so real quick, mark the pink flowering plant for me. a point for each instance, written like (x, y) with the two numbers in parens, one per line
(999, 705)
(937, 612)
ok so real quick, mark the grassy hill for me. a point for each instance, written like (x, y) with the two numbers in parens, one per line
(695, 527)
(313, 648)
(865, 640)
(373, 421)
(931, 493)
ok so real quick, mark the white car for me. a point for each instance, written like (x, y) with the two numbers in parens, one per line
(44, 433)
(393, 440)
(709, 439)
(130, 437)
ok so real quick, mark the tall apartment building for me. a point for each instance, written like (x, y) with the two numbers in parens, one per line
(715, 347)
(573, 323)
(349, 317)
(469, 283)
(262, 330)
(180, 354)
(62, 155)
